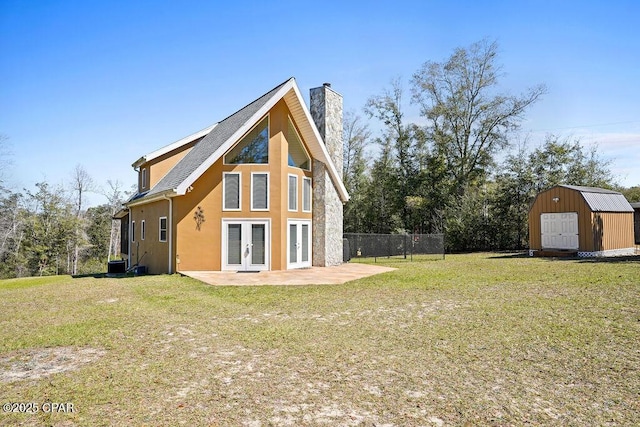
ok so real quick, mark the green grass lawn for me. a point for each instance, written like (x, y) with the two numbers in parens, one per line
(481, 339)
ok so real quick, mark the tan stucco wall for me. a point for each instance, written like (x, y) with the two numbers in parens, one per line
(201, 249)
(150, 252)
(158, 168)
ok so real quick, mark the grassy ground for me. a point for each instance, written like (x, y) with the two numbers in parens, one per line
(482, 339)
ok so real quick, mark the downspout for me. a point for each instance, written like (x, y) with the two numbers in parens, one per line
(170, 232)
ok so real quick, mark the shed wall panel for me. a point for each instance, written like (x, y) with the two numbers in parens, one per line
(612, 230)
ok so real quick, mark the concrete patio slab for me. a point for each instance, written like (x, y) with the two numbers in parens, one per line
(307, 276)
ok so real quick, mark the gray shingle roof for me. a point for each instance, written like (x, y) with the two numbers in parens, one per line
(209, 144)
(602, 200)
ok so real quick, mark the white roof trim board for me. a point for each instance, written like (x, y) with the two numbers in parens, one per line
(182, 176)
(168, 148)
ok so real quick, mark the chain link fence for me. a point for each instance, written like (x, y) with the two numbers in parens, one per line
(361, 245)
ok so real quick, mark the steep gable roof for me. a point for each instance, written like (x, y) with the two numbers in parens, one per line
(227, 132)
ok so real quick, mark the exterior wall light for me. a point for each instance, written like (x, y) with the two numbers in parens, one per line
(556, 199)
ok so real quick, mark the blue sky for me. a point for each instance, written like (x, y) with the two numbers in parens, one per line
(102, 83)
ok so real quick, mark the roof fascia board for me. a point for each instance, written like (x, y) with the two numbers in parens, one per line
(325, 158)
(174, 145)
(187, 182)
(154, 198)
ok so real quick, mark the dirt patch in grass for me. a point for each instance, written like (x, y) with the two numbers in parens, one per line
(34, 364)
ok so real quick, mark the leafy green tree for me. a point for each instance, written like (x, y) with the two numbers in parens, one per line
(381, 215)
(98, 230)
(515, 189)
(356, 139)
(467, 121)
(562, 161)
(401, 147)
(49, 231)
(632, 193)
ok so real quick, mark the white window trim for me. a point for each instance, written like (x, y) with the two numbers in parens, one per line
(224, 191)
(224, 158)
(299, 263)
(133, 231)
(289, 193)
(142, 230)
(295, 129)
(166, 230)
(268, 179)
(304, 179)
(224, 241)
(143, 178)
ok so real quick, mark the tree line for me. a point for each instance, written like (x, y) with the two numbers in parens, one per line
(462, 170)
(49, 230)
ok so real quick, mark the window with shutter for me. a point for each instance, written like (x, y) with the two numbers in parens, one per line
(259, 191)
(306, 194)
(293, 193)
(231, 191)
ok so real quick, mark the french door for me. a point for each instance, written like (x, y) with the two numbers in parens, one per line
(245, 245)
(298, 244)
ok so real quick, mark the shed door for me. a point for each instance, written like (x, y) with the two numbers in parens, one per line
(559, 230)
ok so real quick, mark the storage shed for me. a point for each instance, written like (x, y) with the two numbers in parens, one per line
(583, 221)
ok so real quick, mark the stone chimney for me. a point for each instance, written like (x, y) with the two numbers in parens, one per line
(326, 111)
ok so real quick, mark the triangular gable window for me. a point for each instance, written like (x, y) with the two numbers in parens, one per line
(253, 148)
(297, 154)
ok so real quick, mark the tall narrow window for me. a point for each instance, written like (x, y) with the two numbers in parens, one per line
(231, 191)
(306, 194)
(162, 233)
(253, 148)
(133, 231)
(293, 193)
(259, 191)
(143, 178)
(142, 230)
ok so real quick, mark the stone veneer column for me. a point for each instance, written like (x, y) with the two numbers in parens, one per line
(326, 110)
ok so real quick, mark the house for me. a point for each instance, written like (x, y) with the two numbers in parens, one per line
(260, 190)
(583, 221)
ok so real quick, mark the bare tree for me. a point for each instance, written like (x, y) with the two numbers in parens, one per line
(5, 154)
(81, 183)
(467, 120)
(115, 196)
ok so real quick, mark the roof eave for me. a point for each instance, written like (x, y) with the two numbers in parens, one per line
(153, 198)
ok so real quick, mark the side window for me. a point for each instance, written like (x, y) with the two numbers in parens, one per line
(162, 232)
(259, 191)
(133, 231)
(142, 230)
(306, 194)
(231, 190)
